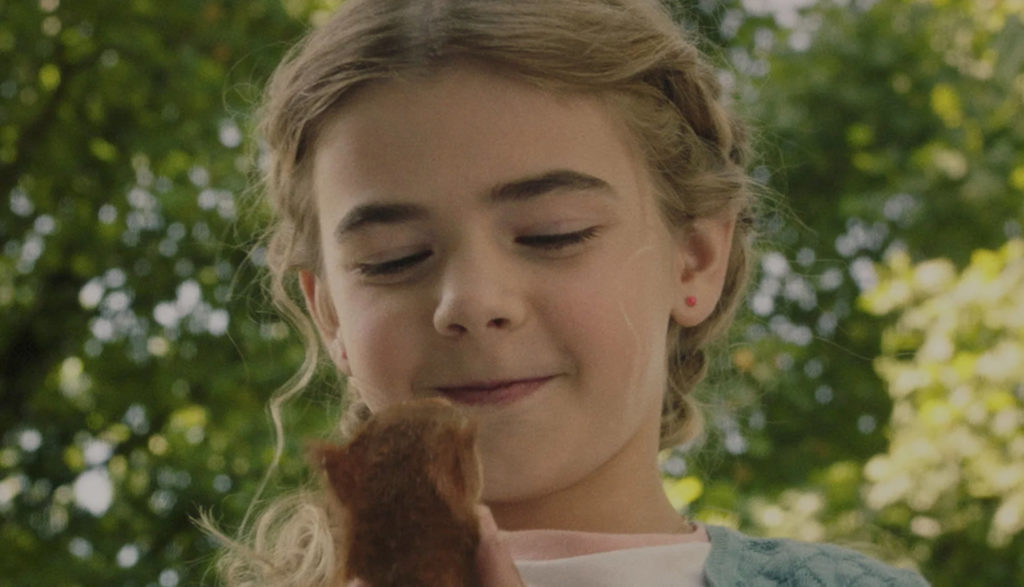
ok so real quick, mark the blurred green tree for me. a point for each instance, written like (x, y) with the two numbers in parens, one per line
(952, 362)
(135, 353)
(889, 128)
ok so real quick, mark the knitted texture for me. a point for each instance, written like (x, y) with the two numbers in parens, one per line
(740, 560)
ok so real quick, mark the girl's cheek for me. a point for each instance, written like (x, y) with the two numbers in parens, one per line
(383, 354)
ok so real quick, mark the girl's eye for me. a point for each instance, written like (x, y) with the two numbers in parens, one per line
(393, 266)
(554, 242)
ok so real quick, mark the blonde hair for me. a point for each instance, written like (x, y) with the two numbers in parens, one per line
(628, 52)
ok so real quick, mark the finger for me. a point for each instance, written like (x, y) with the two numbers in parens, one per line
(493, 561)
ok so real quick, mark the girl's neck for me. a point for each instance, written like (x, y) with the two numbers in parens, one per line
(621, 497)
(568, 510)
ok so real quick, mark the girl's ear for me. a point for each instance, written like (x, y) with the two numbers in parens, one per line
(704, 247)
(318, 301)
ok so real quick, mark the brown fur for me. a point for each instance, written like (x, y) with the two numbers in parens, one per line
(406, 488)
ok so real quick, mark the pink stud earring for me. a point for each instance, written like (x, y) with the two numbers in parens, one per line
(691, 301)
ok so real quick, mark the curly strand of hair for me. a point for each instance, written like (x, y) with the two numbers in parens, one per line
(290, 545)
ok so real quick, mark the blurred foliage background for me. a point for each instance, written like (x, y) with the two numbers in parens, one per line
(872, 394)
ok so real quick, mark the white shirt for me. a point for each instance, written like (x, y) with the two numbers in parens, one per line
(553, 558)
(673, 565)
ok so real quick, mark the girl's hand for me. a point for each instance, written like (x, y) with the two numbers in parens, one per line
(493, 561)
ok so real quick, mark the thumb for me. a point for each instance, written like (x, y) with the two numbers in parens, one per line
(493, 561)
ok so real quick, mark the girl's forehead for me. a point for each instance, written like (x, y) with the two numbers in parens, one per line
(472, 118)
(472, 88)
(468, 137)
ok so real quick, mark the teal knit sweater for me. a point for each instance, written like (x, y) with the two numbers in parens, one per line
(740, 560)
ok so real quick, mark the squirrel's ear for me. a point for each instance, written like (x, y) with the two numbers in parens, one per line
(325, 317)
(454, 468)
(336, 463)
(702, 261)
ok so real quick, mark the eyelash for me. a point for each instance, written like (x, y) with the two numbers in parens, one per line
(546, 242)
(393, 266)
(554, 242)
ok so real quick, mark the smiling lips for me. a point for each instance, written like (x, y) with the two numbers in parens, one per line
(496, 392)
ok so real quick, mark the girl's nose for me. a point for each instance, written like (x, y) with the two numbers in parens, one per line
(478, 296)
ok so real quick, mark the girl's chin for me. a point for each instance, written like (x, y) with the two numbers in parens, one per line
(514, 487)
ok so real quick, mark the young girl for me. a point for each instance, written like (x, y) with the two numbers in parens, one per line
(539, 210)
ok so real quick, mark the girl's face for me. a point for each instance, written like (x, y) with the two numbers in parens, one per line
(500, 245)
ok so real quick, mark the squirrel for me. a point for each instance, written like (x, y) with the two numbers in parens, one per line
(402, 496)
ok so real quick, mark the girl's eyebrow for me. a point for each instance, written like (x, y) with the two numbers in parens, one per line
(559, 180)
(376, 213)
(364, 215)
(551, 181)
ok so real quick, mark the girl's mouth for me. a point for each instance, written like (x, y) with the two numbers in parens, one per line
(493, 392)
